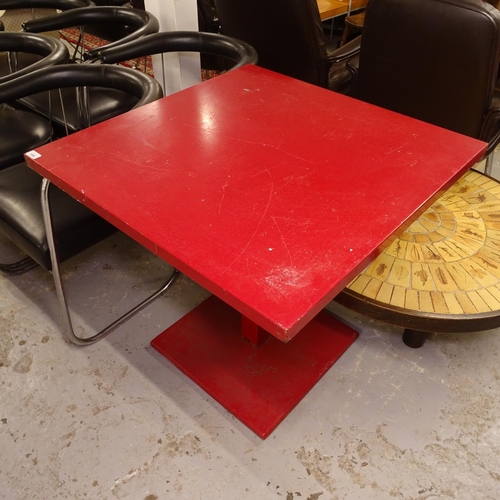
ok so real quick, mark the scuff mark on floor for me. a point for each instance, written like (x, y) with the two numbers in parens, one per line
(318, 465)
(189, 444)
(6, 345)
(23, 365)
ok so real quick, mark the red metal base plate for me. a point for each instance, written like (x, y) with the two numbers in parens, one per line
(259, 386)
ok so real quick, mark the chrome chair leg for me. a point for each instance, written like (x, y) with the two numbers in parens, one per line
(66, 317)
(489, 164)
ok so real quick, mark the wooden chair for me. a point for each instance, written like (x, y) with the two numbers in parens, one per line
(352, 24)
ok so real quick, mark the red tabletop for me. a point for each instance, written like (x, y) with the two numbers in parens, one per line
(270, 192)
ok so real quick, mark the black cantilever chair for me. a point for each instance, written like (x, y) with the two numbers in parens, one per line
(22, 211)
(19, 11)
(236, 52)
(65, 109)
(49, 50)
(23, 58)
(289, 39)
(437, 61)
(23, 130)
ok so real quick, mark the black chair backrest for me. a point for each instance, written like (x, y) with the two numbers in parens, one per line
(240, 53)
(435, 60)
(51, 50)
(142, 22)
(287, 34)
(44, 4)
(145, 88)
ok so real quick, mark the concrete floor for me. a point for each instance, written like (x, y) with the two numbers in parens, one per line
(116, 420)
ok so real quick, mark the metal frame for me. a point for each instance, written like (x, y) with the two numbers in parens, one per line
(66, 317)
(489, 163)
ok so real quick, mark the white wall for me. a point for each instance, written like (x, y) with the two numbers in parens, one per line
(178, 71)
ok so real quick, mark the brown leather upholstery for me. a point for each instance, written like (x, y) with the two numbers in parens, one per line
(33, 9)
(287, 35)
(495, 3)
(435, 60)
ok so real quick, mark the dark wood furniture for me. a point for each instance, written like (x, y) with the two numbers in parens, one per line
(442, 73)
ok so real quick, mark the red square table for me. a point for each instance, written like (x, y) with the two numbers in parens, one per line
(272, 194)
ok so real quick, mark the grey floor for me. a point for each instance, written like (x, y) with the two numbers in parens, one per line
(116, 420)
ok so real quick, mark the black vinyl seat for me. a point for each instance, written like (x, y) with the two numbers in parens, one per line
(46, 223)
(21, 218)
(24, 130)
(20, 131)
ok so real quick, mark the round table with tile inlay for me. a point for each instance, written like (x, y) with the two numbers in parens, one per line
(442, 274)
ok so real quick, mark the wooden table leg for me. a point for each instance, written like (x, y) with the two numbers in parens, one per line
(414, 338)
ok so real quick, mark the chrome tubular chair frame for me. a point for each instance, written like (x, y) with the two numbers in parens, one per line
(65, 314)
(43, 249)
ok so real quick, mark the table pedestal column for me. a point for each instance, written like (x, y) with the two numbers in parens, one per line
(258, 385)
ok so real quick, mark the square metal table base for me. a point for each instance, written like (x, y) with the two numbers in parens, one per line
(260, 386)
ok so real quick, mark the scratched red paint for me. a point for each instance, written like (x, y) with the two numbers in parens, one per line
(269, 192)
